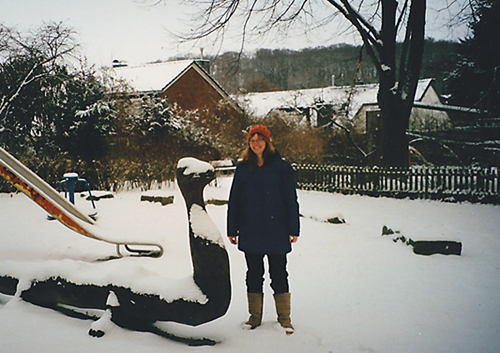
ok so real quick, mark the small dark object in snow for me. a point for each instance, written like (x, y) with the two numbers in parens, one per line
(98, 197)
(336, 220)
(424, 247)
(164, 200)
(216, 202)
(387, 231)
(96, 333)
(8, 285)
(403, 240)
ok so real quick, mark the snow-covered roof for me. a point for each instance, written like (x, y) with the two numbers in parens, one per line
(261, 103)
(152, 77)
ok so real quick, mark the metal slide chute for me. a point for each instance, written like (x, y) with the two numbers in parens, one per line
(64, 211)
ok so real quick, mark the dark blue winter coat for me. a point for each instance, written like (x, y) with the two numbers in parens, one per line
(263, 210)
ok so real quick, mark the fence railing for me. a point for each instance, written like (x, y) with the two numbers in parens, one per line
(440, 183)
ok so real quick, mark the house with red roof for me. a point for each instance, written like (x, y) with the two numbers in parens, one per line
(186, 83)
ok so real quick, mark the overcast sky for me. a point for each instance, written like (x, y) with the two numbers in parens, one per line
(131, 31)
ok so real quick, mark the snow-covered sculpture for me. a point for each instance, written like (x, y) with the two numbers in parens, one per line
(140, 311)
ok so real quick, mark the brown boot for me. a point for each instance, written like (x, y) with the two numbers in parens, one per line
(282, 302)
(255, 301)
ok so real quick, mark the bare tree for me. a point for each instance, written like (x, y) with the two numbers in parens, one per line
(380, 24)
(42, 50)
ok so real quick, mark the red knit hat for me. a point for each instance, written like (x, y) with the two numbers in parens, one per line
(260, 129)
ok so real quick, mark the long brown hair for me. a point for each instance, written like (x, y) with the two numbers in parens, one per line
(249, 156)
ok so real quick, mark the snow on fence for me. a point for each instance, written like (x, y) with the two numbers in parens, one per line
(439, 183)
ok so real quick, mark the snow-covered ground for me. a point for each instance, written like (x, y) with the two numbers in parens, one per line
(353, 290)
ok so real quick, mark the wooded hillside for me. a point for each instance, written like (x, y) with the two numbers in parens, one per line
(285, 69)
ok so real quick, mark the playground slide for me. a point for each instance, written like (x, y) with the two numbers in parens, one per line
(60, 208)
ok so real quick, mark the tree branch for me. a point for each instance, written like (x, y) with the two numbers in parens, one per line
(334, 122)
(49, 44)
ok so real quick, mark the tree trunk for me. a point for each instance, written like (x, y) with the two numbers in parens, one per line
(393, 141)
(393, 127)
(396, 96)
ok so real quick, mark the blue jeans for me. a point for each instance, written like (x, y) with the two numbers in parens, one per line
(277, 272)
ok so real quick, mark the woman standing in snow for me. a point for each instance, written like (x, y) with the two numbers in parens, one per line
(263, 220)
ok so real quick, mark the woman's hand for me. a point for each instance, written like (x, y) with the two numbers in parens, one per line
(293, 239)
(233, 240)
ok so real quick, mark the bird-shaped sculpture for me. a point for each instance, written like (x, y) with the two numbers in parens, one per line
(140, 311)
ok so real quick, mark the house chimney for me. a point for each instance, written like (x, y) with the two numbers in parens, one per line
(204, 64)
(333, 80)
(118, 63)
